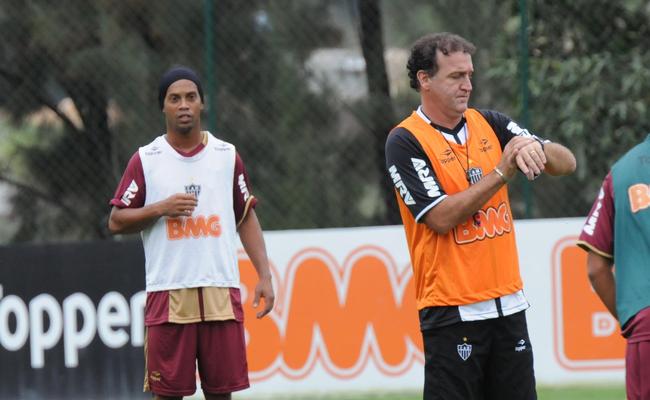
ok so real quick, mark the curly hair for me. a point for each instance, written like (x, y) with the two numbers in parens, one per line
(423, 53)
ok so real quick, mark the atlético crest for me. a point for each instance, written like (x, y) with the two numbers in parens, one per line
(474, 175)
(193, 189)
(464, 350)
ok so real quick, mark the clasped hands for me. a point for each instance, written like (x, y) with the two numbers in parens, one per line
(525, 154)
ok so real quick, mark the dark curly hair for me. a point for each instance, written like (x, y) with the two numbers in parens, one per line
(423, 53)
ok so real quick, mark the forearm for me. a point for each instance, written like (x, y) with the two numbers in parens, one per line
(251, 237)
(602, 279)
(133, 220)
(559, 160)
(459, 207)
(250, 234)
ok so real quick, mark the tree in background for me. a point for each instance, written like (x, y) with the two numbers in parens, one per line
(588, 79)
(315, 160)
(381, 118)
(287, 132)
(36, 72)
(589, 87)
(106, 59)
(492, 26)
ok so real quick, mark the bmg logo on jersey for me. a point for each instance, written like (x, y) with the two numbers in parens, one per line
(491, 222)
(193, 227)
(639, 195)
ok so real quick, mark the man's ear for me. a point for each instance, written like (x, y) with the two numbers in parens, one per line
(424, 79)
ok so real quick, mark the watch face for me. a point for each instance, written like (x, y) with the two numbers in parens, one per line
(474, 175)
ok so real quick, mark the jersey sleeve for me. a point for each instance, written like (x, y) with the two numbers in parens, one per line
(506, 128)
(411, 173)
(598, 232)
(131, 191)
(243, 200)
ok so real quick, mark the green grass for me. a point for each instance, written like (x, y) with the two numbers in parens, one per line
(582, 393)
(544, 393)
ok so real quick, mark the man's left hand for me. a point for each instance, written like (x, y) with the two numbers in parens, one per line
(264, 289)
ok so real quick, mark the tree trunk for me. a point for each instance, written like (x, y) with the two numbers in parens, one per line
(382, 119)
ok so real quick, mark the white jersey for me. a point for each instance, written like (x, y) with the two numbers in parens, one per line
(200, 250)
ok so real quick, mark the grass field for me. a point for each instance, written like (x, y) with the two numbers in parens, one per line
(544, 393)
(583, 393)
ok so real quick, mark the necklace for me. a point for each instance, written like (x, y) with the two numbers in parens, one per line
(472, 174)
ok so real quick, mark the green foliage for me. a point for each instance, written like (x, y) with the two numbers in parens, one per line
(107, 57)
(287, 134)
(588, 80)
(311, 154)
(589, 91)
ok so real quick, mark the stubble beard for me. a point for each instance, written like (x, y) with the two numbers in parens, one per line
(184, 130)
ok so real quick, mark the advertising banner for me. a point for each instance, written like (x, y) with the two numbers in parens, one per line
(71, 321)
(71, 316)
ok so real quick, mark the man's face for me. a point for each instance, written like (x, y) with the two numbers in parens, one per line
(182, 106)
(449, 89)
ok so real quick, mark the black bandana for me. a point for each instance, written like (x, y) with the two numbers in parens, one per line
(173, 75)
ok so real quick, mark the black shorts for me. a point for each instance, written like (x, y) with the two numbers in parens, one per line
(480, 360)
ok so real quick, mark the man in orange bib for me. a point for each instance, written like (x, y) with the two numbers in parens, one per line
(450, 165)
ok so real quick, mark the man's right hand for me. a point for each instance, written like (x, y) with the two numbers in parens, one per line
(508, 163)
(178, 205)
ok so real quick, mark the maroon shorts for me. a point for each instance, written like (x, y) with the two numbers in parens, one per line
(173, 352)
(637, 356)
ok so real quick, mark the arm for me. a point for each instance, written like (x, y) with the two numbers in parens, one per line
(533, 159)
(458, 207)
(553, 158)
(129, 213)
(597, 238)
(559, 160)
(132, 220)
(250, 234)
(601, 276)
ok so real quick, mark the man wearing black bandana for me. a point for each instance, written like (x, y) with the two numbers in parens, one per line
(188, 193)
(450, 165)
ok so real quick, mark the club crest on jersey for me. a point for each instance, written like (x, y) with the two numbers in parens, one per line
(464, 350)
(193, 189)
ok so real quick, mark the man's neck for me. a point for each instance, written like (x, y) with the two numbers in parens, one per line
(185, 142)
(440, 118)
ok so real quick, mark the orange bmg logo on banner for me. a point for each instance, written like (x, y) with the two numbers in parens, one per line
(586, 335)
(340, 316)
